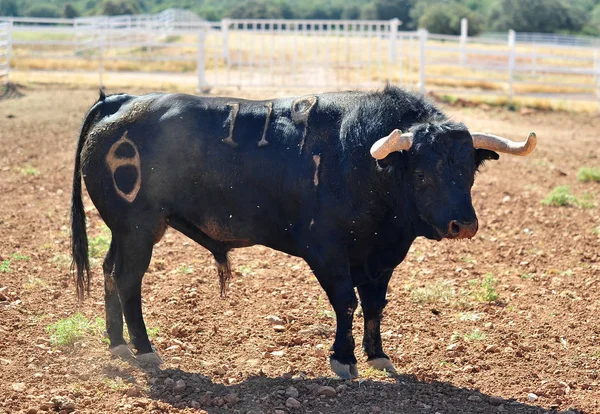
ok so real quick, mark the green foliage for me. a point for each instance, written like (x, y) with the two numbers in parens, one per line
(446, 20)
(5, 266)
(67, 331)
(586, 174)
(9, 8)
(70, 12)
(98, 246)
(15, 257)
(42, 10)
(548, 16)
(28, 169)
(476, 335)
(561, 197)
(486, 290)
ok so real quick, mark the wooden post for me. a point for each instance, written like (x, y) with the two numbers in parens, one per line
(8, 49)
(225, 23)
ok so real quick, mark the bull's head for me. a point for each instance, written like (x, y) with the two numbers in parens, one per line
(439, 166)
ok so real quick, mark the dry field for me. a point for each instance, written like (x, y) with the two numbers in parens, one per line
(504, 323)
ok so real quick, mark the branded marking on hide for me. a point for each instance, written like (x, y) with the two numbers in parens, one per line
(263, 142)
(301, 108)
(235, 108)
(317, 161)
(124, 155)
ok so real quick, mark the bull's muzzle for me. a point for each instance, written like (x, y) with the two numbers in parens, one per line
(462, 229)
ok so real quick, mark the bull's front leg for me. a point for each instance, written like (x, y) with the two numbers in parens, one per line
(333, 273)
(372, 300)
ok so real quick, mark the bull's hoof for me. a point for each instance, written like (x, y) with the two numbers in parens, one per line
(122, 351)
(382, 364)
(344, 371)
(151, 359)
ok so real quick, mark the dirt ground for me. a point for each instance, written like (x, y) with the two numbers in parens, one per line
(534, 348)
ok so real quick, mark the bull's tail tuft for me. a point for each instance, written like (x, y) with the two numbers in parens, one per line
(224, 271)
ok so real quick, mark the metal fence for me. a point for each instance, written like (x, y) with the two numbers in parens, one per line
(5, 49)
(307, 53)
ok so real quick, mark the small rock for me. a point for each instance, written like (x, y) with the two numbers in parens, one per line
(291, 391)
(169, 382)
(275, 320)
(341, 388)
(133, 392)
(173, 348)
(231, 398)
(293, 403)
(222, 370)
(63, 403)
(278, 353)
(493, 400)
(179, 386)
(489, 325)
(31, 411)
(491, 348)
(195, 404)
(455, 347)
(375, 410)
(326, 391)
(532, 397)
(474, 398)
(279, 328)
(228, 313)
(18, 386)
(279, 412)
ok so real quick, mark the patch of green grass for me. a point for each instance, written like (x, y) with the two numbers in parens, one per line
(98, 246)
(61, 260)
(476, 335)
(69, 330)
(153, 332)
(561, 197)
(486, 290)
(586, 174)
(245, 270)
(454, 337)
(526, 276)
(596, 230)
(116, 384)
(185, 269)
(29, 170)
(467, 259)
(15, 257)
(5, 266)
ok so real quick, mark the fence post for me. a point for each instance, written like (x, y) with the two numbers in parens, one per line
(511, 63)
(225, 23)
(103, 30)
(394, 23)
(422, 45)
(9, 50)
(464, 32)
(597, 76)
(200, 61)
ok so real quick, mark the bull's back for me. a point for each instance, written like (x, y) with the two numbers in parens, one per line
(233, 163)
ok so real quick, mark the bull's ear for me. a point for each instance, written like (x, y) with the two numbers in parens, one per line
(482, 155)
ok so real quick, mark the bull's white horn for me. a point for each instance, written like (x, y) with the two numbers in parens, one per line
(499, 144)
(396, 141)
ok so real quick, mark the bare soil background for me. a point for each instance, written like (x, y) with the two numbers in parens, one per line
(533, 349)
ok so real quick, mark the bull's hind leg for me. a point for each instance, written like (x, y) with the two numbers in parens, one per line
(112, 304)
(372, 300)
(133, 254)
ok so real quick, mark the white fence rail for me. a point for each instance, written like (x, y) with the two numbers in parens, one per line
(308, 53)
(5, 50)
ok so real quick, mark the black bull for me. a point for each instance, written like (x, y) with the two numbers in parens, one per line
(291, 174)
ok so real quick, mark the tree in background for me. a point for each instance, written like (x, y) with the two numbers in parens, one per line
(547, 16)
(446, 19)
(43, 10)
(9, 8)
(261, 9)
(70, 12)
(116, 8)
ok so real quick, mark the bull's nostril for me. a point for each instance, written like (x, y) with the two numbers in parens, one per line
(454, 227)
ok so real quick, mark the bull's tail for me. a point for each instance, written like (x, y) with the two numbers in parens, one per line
(79, 242)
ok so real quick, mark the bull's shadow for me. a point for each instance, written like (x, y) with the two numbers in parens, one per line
(260, 394)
